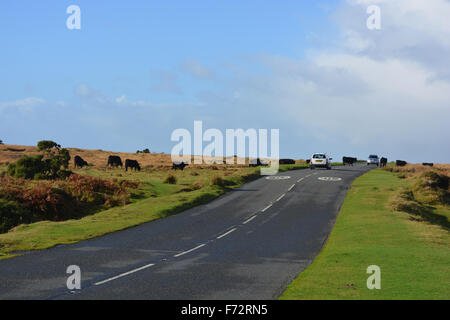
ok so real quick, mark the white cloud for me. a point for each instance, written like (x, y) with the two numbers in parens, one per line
(197, 70)
(22, 105)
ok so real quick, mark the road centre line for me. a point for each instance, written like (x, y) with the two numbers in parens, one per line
(249, 219)
(190, 250)
(266, 207)
(280, 197)
(124, 274)
(290, 188)
(226, 233)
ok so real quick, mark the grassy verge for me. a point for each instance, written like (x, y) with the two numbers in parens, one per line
(154, 199)
(413, 254)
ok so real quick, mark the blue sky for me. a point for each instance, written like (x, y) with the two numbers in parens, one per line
(138, 70)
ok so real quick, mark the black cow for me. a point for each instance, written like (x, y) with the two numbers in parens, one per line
(132, 164)
(79, 162)
(348, 160)
(257, 164)
(286, 161)
(180, 166)
(383, 162)
(115, 161)
(308, 161)
(400, 163)
(430, 164)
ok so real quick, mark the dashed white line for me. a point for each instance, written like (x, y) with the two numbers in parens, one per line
(300, 179)
(190, 250)
(266, 207)
(226, 233)
(249, 219)
(124, 274)
(290, 188)
(280, 197)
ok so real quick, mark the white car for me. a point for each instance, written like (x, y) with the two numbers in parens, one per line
(320, 160)
(373, 159)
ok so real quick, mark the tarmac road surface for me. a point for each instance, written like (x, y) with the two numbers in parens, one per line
(247, 244)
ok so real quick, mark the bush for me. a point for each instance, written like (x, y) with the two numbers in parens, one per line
(143, 151)
(43, 166)
(45, 145)
(12, 214)
(171, 179)
(217, 181)
(27, 167)
(26, 201)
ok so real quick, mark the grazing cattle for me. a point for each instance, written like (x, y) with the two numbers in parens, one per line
(257, 164)
(79, 162)
(400, 163)
(430, 164)
(308, 161)
(115, 161)
(348, 160)
(383, 162)
(176, 166)
(132, 164)
(286, 161)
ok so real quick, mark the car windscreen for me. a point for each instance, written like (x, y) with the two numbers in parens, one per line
(373, 156)
(319, 156)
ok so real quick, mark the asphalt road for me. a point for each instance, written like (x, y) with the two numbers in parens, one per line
(248, 244)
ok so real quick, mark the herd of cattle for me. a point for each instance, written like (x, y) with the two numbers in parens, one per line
(116, 161)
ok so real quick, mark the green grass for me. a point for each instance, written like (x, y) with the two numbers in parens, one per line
(414, 256)
(153, 200)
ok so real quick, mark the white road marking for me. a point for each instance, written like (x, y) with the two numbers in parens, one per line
(190, 250)
(226, 233)
(330, 178)
(266, 207)
(300, 179)
(249, 219)
(277, 177)
(281, 197)
(124, 274)
(290, 188)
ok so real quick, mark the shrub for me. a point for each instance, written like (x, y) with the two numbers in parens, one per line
(44, 166)
(143, 151)
(217, 181)
(47, 145)
(171, 179)
(26, 201)
(12, 214)
(27, 167)
(196, 185)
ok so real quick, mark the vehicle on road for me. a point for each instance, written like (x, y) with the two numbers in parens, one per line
(320, 160)
(373, 159)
